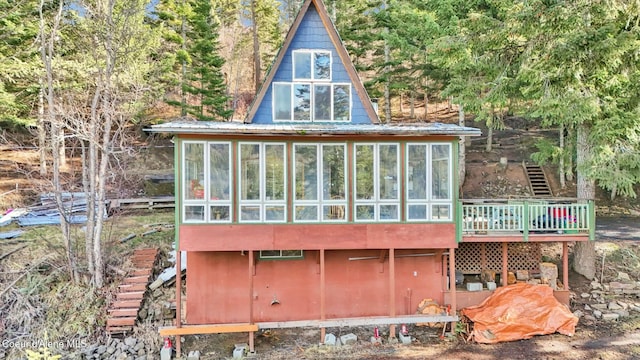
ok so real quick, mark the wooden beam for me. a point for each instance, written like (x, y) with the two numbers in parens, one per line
(178, 298)
(251, 274)
(452, 280)
(206, 329)
(322, 294)
(392, 290)
(565, 265)
(505, 265)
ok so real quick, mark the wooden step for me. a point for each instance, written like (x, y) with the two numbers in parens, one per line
(140, 272)
(122, 321)
(130, 295)
(125, 312)
(126, 304)
(119, 329)
(132, 287)
(136, 280)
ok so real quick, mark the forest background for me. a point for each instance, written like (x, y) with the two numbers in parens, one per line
(84, 74)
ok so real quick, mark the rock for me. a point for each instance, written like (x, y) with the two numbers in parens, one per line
(101, 349)
(614, 285)
(549, 271)
(585, 295)
(349, 339)
(597, 314)
(596, 285)
(610, 316)
(142, 357)
(622, 276)
(589, 317)
(622, 312)
(614, 306)
(522, 275)
(599, 306)
(578, 313)
(139, 345)
(111, 349)
(376, 340)
(623, 304)
(587, 307)
(130, 341)
(194, 355)
(330, 339)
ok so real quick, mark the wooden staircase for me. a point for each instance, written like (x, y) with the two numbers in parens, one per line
(537, 180)
(123, 311)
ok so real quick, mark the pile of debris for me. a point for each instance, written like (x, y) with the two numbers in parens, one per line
(47, 212)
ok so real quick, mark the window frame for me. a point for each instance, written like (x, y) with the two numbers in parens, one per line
(312, 102)
(205, 202)
(262, 202)
(377, 202)
(312, 70)
(429, 201)
(280, 257)
(320, 202)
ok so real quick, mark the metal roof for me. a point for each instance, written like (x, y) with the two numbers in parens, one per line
(239, 128)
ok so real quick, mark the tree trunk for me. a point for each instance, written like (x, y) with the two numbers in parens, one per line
(412, 105)
(563, 183)
(462, 153)
(256, 49)
(489, 145)
(426, 104)
(42, 131)
(584, 253)
(183, 93)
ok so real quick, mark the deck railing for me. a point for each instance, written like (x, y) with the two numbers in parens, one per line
(557, 216)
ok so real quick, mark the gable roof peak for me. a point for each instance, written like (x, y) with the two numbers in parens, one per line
(332, 32)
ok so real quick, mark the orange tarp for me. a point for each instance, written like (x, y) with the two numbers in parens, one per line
(519, 311)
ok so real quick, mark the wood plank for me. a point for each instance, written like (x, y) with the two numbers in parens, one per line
(125, 321)
(123, 312)
(126, 304)
(207, 329)
(140, 272)
(118, 329)
(136, 280)
(130, 295)
(132, 287)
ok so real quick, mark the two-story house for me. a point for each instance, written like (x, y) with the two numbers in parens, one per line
(312, 212)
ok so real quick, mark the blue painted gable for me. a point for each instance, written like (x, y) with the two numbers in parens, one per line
(311, 34)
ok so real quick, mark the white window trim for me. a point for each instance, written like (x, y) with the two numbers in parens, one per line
(376, 201)
(429, 201)
(312, 108)
(320, 203)
(262, 202)
(312, 70)
(206, 202)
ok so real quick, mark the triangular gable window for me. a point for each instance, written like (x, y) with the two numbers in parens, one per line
(311, 96)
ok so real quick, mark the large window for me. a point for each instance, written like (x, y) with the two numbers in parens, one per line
(429, 182)
(262, 182)
(312, 65)
(376, 182)
(207, 198)
(320, 182)
(311, 96)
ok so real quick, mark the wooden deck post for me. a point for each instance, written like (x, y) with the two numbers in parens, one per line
(392, 290)
(452, 286)
(178, 297)
(322, 296)
(565, 265)
(251, 272)
(505, 265)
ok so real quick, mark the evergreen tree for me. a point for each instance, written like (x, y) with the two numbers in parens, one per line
(204, 78)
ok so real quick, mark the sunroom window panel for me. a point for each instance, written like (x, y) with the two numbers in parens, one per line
(274, 172)
(301, 102)
(306, 213)
(306, 167)
(322, 65)
(194, 213)
(250, 172)
(389, 212)
(440, 166)
(365, 212)
(388, 173)
(416, 172)
(219, 171)
(250, 213)
(194, 171)
(441, 212)
(282, 101)
(220, 213)
(275, 213)
(341, 102)
(302, 65)
(417, 212)
(364, 155)
(333, 172)
(322, 102)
